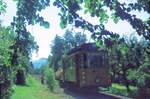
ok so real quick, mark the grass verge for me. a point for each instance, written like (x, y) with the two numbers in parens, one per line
(34, 90)
(119, 89)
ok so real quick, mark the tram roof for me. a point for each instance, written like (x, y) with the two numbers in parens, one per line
(90, 47)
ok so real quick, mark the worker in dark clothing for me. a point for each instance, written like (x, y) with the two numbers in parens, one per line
(42, 79)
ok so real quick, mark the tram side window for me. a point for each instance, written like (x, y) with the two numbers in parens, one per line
(67, 63)
(83, 61)
(71, 62)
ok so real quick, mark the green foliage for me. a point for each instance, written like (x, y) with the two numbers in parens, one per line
(2, 7)
(49, 76)
(63, 24)
(124, 49)
(29, 11)
(129, 62)
(140, 59)
(120, 61)
(115, 18)
(99, 43)
(95, 9)
(80, 38)
(45, 24)
(69, 40)
(57, 51)
(6, 41)
(7, 37)
(141, 73)
(99, 8)
(72, 40)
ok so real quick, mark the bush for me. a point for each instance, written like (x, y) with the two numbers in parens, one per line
(6, 89)
(50, 79)
(119, 89)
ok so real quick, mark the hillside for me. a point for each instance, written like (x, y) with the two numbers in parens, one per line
(40, 62)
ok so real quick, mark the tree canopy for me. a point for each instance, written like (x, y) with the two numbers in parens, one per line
(98, 8)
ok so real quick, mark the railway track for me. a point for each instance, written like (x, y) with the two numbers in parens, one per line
(78, 93)
(88, 93)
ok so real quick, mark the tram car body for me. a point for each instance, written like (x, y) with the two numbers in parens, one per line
(85, 66)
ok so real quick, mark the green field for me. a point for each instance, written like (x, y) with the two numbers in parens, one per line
(34, 90)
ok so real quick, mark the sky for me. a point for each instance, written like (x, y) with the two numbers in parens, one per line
(44, 37)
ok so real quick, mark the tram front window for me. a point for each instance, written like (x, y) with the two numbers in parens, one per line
(83, 61)
(95, 61)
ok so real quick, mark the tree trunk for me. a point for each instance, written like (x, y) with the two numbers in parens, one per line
(114, 73)
(20, 77)
(125, 78)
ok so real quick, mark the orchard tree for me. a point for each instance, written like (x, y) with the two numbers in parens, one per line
(57, 51)
(73, 39)
(69, 40)
(80, 39)
(119, 60)
(27, 14)
(7, 39)
(140, 62)
(23, 43)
